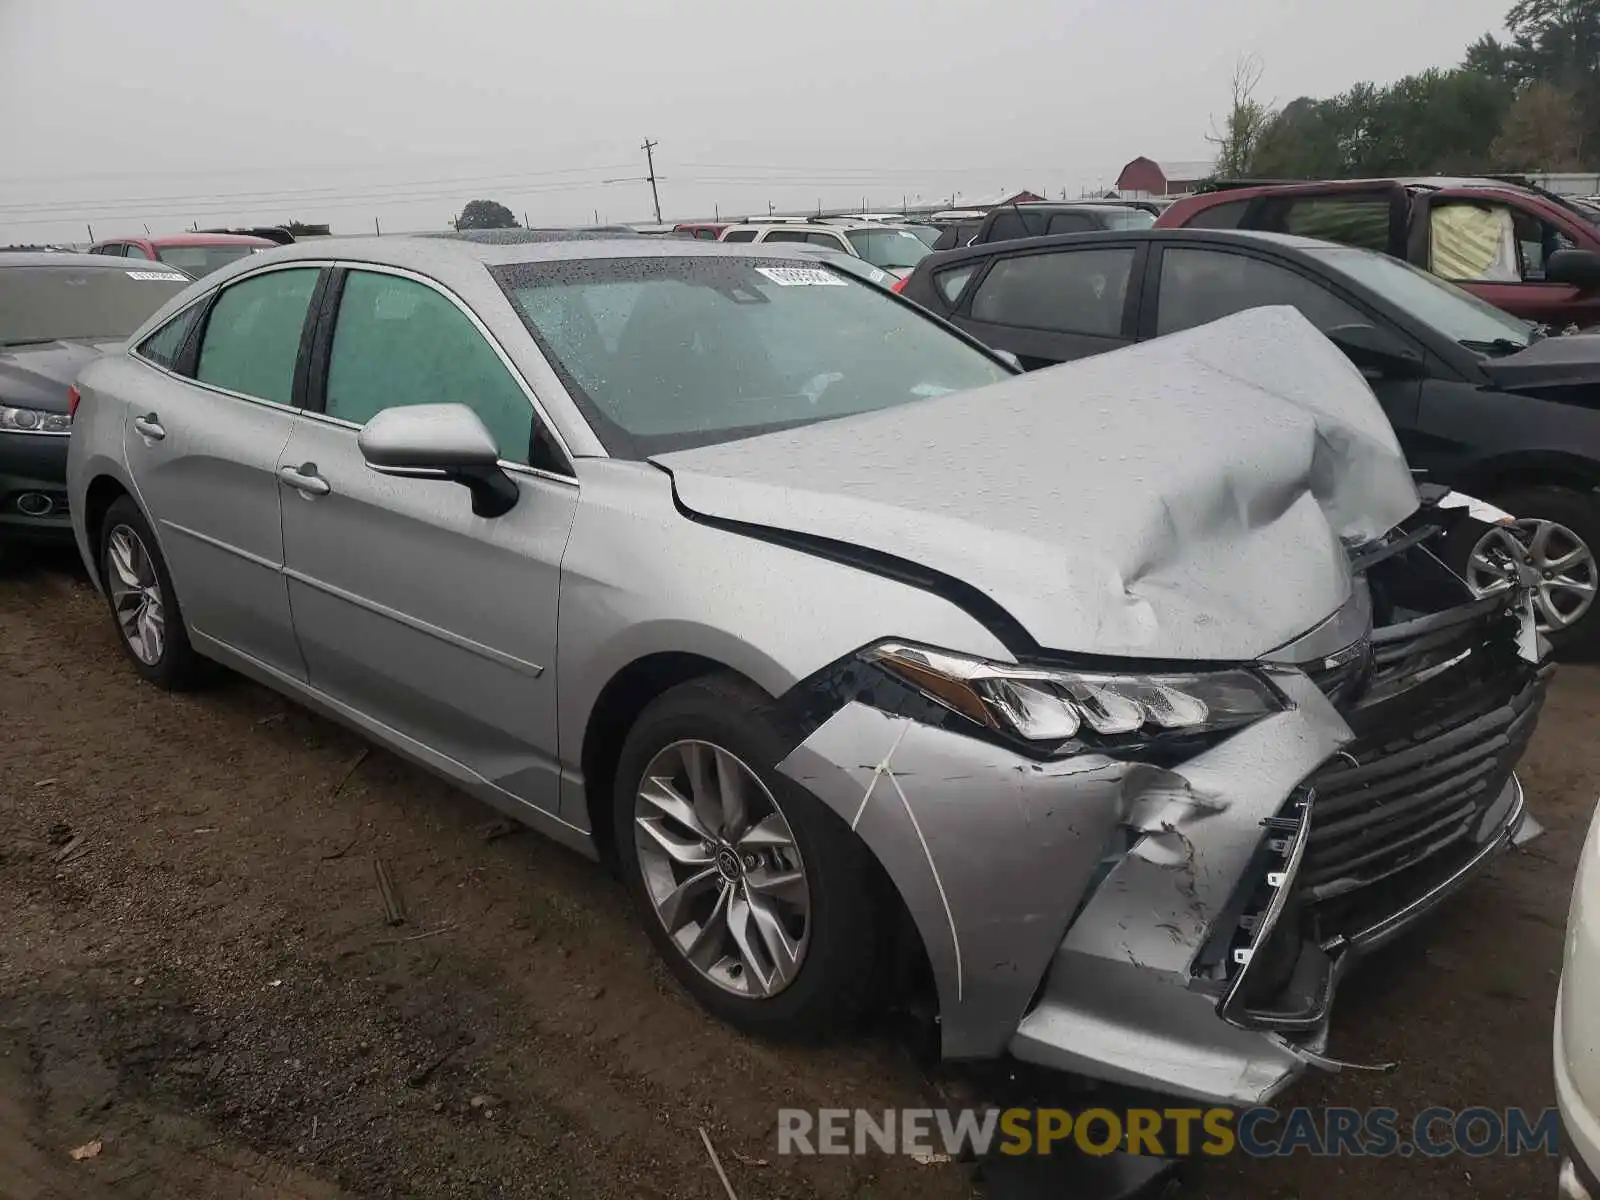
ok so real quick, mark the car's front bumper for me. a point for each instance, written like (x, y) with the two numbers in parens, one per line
(33, 487)
(1577, 1026)
(1106, 917)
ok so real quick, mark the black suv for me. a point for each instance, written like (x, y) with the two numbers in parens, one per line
(1480, 400)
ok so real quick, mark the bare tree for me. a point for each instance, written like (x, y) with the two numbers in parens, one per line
(1247, 117)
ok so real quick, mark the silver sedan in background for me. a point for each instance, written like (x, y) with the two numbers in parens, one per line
(1122, 701)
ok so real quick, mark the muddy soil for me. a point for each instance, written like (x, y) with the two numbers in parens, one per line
(196, 973)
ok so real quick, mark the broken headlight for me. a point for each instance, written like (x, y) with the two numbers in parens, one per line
(1051, 705)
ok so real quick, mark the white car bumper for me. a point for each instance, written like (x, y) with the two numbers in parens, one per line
(1577, 1030)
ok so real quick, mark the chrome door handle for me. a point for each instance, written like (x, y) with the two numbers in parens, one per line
(305, 480)
(149, 426)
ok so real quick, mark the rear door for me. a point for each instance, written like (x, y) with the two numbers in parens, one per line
(409, 609)
(1056, 304)
(202, 446)
(1496, 246)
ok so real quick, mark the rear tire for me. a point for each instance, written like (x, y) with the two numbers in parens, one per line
(717, 732)
(144, 606)
(1568, 522)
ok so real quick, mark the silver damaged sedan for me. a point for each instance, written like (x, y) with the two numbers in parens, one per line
(1123, 704)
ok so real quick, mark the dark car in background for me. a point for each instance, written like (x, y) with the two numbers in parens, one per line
(1494, 237)
(1043, 218)
(1481, 400)
(195, 254)
(56, 312)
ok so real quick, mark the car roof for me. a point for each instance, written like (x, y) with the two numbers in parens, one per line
(191, 239)
(423, 253)
(1236, 237)
(1064, 206)
(66, 258)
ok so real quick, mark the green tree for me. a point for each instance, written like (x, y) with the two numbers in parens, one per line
(1555, 42)
(1542, 132)
(486, 214)
(1247, 117)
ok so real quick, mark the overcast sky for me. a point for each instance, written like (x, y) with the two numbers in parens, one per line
(126, 113)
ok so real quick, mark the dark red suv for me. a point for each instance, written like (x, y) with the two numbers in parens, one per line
(1494, 238)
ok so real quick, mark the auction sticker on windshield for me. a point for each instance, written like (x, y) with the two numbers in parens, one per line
(163, 276)
(802, 277)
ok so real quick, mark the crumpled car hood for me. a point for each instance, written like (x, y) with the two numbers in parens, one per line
(1187, 498)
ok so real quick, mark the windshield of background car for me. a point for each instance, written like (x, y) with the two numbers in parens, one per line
(674, 352)
(202, 260)
(43, 304)
(927, 233)
(1457, 314)
(1129, 218)
(891, 249)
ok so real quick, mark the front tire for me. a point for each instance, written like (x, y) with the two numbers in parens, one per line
(144, 606)
(758, 895)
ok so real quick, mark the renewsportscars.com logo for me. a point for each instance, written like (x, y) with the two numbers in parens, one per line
(1172, 1132)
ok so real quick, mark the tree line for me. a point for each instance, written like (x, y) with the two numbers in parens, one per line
(1527, 103)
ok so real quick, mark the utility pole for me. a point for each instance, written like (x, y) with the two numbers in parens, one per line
(770, 209)
(525, 218)
(376, 228)
(90, 228)
(650, 164)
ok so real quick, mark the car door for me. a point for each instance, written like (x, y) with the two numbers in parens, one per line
(202, 447)
(1497, 247)
(436, 623)
(1194, 284)
(1052, 305)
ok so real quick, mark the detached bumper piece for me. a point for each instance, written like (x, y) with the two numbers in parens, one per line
(1408, 812)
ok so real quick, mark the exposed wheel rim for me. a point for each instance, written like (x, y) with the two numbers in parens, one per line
(722, 869)
(1559, 563)
(136, 595)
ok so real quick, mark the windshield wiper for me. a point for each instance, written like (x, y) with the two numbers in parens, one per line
(1497, 346)
(45, 341)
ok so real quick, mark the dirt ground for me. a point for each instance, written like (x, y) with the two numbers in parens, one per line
(205, 985)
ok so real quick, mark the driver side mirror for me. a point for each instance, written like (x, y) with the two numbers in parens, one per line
(1373, 349)
(1580, 268)
(440, 441)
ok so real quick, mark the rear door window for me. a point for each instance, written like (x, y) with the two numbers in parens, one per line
(252, 337)
(740, 235)
(1011, 224)
(787, 235)
(953, 282)
(1359, 220)
(137, 252)
(165, 345)
(1068, 291)
(1198, 286)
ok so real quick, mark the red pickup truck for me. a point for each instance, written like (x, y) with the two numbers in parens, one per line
(1493, 237)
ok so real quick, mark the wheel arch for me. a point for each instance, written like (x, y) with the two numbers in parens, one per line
(103, 491)
(1540, 468)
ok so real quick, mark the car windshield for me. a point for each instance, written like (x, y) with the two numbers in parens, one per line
(202, 260)
(672, 352)
(1459, 315)
(46, 304)
(891, 249)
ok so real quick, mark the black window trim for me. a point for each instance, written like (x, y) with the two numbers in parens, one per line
(1023, 248)
(317, 350)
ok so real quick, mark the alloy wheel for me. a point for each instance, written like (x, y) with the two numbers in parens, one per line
(136, 595)
(1558, 563)
(722, 869)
